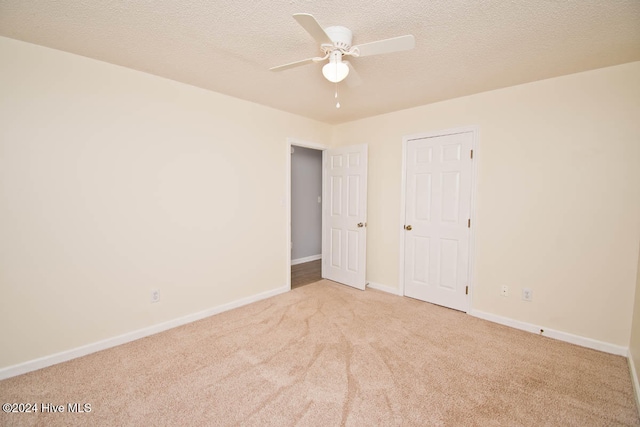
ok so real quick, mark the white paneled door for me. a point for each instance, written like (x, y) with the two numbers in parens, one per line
(437, 219)
(344, 239)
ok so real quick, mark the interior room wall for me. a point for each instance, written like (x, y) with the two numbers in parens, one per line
(558, 197)
(114, 183)
(306, 211)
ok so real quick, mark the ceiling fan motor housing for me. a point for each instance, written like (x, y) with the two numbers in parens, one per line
(341, 36)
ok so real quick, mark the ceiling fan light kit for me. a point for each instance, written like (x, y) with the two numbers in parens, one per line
(336, 70)
(335, 43)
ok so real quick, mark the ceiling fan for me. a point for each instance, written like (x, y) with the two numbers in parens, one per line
(335, 43)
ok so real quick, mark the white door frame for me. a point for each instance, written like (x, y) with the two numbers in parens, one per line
(287, 201)
(475, 131)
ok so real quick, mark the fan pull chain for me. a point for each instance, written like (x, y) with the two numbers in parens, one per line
(336, 96)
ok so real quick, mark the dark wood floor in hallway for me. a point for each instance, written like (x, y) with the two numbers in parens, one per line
(305, 273)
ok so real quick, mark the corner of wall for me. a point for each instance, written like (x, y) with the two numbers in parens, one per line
(634, 341)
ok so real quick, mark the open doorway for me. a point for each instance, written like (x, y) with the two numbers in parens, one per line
(343, 213)
(306, 215)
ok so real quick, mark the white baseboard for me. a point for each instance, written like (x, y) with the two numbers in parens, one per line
(43, 362)
(634, 378)
(384, 288)
(306, 259)
(552, 333)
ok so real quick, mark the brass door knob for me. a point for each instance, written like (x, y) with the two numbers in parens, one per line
(407, 227)
(360, 225)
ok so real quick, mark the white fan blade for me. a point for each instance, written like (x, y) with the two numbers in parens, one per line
(395, 44)
(309, 23)
(292, 64)
(353, 79)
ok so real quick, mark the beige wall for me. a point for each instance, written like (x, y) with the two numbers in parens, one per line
(114, 182)
(558, 197)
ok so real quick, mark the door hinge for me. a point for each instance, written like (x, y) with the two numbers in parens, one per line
(471, 154)
(469, 223)
(466, 291)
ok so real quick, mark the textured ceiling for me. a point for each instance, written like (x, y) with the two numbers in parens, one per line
(462, 47)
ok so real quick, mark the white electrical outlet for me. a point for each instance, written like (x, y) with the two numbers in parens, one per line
(504, 291)
(527, 294)
(155, 295)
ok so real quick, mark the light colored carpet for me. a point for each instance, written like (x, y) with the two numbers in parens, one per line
(328, 355)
